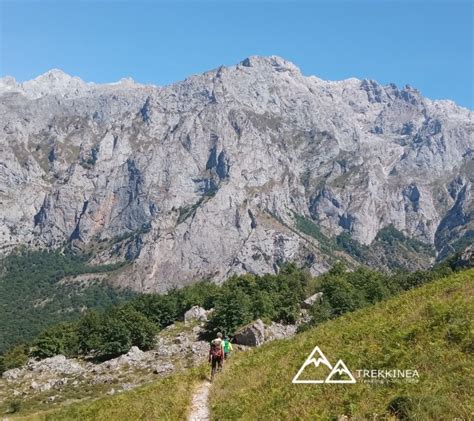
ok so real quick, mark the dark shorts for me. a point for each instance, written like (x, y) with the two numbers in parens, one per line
(216, 362)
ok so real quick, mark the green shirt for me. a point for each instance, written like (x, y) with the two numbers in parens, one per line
(227, 346)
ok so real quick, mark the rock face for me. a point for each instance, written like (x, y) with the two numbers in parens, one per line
(315, 298)
(251, 335)
(278, 331)
(195, 313)
(205, 177)
(466, 259)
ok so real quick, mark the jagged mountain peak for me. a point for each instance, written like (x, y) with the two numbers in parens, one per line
(54, 75)
(226, 171)
(272, 62)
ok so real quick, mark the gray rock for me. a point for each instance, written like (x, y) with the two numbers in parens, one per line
(134, 357)
(58, 364)
(195, 313)
(278, 331)
(128, 386)
(310, 301)
(251, 335)
(12, 374)
(41, 387)
(58, 384)
(201, 179)
(163, 368)
(105, 379)
(134, 354)
(466, 260)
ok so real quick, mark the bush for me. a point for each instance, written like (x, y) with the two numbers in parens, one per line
(232, 311)
(58, 339)
(400, 406)
(89, 332)
(14, 358)
(320, 312)
(372, 284)
(123, 328)
(342, 295)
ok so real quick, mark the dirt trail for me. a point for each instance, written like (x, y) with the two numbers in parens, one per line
(199, 407)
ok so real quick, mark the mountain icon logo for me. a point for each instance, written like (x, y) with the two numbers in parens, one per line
(340, 374)
(317, 363)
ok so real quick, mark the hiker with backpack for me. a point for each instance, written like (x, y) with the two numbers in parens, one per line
(227, 347)
(216, 355)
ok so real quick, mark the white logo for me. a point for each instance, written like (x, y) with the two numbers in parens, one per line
(339, 374)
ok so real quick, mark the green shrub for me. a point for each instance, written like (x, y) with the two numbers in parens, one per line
(123, 328)
(14, 358)
(400, 406)
(320, 312)
(232, 311)
(342, 295)
(57, 339)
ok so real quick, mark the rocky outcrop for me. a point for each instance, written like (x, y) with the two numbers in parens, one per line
(57, 365)
(204, 178)
(278, 331)
(177, 347)
(251, 335)
(195, 313)
(310, 301)
(466, 259)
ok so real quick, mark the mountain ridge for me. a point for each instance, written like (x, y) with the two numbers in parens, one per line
(205, 177)
(59, 74)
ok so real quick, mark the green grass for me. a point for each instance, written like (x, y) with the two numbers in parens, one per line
(428, 329)
(166, 399)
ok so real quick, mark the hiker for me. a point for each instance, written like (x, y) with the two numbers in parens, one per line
(216, 354)
(227, 347)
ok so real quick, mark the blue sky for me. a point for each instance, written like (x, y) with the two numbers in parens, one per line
(427, 44)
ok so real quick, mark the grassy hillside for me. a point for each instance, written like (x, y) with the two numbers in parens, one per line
(428, 329)
(165, 399)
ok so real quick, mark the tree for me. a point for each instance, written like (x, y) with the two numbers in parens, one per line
(58, 339)
(320, 312)
(373, 284)
(232, 311)
(341, 295)
(14, 358)
(89, 332)
(123, 328)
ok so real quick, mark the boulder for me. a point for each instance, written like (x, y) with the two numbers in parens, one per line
(12, 374)
(41, 387)
(195, 313)
(315, 298)
(251, 335)
(58, 364)
(277, 331)
(163, 368)
(134, 354)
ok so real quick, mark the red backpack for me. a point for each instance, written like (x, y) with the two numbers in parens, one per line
(216, 349)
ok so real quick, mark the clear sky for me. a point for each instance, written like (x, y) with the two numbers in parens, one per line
(427, 44)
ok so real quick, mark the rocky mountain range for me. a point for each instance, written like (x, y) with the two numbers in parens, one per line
(235, 170)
